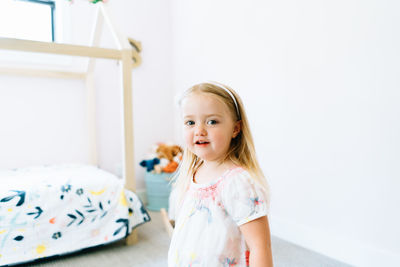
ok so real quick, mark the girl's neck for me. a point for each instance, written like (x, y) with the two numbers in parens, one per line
(210, 171)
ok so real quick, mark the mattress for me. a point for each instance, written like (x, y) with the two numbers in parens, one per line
(53, 210)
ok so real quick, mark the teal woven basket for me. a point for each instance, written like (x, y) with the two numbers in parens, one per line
(158, 188)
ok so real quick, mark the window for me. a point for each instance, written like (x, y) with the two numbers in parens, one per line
(38, 20)
(28, 19)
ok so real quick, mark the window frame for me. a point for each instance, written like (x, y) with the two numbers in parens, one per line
(63, 34)
(52, 5)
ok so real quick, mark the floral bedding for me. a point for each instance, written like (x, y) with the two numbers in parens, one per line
(53, 210)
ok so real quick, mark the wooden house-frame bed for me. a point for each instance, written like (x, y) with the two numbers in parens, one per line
(127, 53)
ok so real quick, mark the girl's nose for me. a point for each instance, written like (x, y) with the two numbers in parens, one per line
(200, 131)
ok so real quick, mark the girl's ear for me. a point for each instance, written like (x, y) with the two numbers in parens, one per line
(237, 128)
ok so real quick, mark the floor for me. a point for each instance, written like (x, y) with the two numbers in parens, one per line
(152, 248)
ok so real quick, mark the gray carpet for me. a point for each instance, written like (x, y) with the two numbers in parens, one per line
(152, 248)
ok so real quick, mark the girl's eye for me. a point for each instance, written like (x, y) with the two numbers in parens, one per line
(212, 122)
(189, 123)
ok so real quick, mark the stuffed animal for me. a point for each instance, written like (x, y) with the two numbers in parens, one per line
(159, 168)
(168, 151)
(149, 163)
(164, 158)
(171, 167)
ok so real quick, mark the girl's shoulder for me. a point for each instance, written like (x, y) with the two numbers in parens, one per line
(240, 181)
(238, 175)
(243, 198)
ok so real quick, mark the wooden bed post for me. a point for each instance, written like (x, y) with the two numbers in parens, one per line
(126, 72)
(128, 166)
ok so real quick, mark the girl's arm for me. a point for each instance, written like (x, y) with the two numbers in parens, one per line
(258, 239)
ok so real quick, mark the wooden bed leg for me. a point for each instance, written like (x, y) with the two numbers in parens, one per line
(167, 222)
(132, 238)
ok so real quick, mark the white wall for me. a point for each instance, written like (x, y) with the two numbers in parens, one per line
(149, 23)
(43, 121)
(320, 81)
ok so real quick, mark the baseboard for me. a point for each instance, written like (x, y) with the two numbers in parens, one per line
(342, 249)
(141, 193)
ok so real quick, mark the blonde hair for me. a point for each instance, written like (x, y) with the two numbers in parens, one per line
(241, 150)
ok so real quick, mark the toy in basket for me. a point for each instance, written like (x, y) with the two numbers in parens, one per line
(160, 166)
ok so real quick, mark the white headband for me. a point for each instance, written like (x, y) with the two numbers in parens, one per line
(230, 94)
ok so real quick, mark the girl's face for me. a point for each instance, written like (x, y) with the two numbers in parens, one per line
(208, 127)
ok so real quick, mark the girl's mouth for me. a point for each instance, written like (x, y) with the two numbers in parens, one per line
(201, 143)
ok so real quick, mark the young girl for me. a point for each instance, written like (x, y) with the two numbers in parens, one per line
(220, 189)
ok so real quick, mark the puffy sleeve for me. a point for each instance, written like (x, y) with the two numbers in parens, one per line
(243, 198)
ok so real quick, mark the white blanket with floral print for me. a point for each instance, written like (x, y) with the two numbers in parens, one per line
(53, 210)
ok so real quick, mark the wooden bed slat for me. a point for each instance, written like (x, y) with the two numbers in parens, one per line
(60, 49)
(42, 73)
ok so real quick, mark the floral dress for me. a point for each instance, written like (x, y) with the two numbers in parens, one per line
(207, 227)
